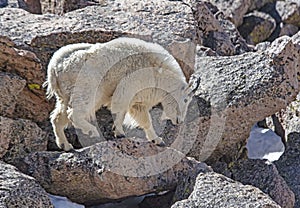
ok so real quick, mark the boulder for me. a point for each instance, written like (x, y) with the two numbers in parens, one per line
(62, 7)
(32, 6)
(215, 190)
(289, 11)
(257, 4)
(263, 176)
(235, 92)
(18, 138)
(288, 165)
(10, 87)
(216, 32)
(20, 190)
(29, 101)
(110, 170)
(288, 29)
(233, 9)
(257, 27)
(163, 22)
(22, 62)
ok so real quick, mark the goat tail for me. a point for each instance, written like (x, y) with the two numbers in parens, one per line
(51, 84)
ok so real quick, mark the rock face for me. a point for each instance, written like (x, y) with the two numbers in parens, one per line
(215, 190)
(164, 25)
(10, 87)
(240, 91)
(28, 98)
(233, 9)
(289, 164)
(289, 12)
(20, 190)
(66, 6)
(19, 138)
(265, 177)
(216, 32)
(116, 169)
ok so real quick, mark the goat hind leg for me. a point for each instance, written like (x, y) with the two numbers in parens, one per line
(59, 121)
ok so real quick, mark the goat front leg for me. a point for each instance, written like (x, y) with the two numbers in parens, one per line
(142, 116)
(86, 128)
(118, 122)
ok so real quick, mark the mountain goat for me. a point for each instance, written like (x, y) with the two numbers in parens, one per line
(127, 75)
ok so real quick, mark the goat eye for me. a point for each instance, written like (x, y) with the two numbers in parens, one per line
(185, 100)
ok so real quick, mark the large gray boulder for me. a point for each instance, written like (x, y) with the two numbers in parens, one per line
(289, 164)
(20, 190)
(215, 190)
(215, 31)
(235, 92)
(163, 22)
(18, 138)
(233, 9)
(110, 170)
(25, 92)
(10, 87)
(261, 175)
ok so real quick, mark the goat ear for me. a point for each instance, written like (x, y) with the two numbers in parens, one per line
(188, 89)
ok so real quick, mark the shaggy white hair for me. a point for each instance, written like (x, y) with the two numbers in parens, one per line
(127, 75)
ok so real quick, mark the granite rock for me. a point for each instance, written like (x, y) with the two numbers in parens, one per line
(110, 170)
(263, 176)
(216, 32)
(288, 165)
(10, 87)
(289, 12)
(32, 6)
(18, 138)
(233, 9)
(235, 92)
(30, 102)
(62, 7)
(215, 190)
(20, 190)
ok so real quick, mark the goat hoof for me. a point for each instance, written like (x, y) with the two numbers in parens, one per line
(120, 136)
(67, 147)
(161, 144)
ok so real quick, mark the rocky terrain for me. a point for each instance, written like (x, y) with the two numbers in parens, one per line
(243, 58)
